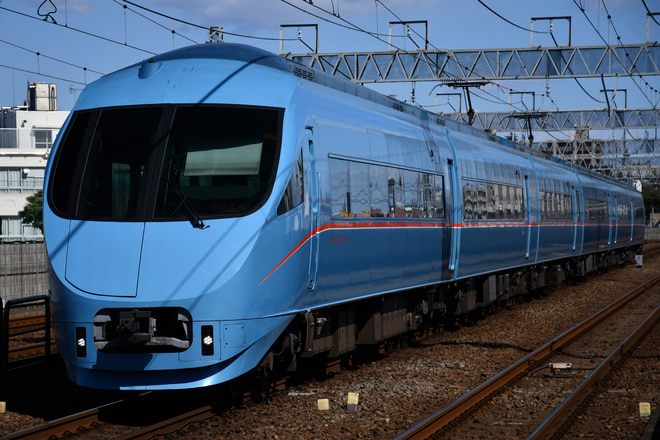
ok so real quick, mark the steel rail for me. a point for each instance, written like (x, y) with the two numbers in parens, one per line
(27, 323)
(431, 426)
(563, 412)
(58, 427)
(169, 425)
(29, 351)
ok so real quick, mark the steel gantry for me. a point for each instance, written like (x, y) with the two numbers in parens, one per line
(628, 158)
(598, 119)
(580, 136)
(491, 64)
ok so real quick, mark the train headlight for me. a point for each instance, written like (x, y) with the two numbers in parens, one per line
(207, 340)
(81, 342)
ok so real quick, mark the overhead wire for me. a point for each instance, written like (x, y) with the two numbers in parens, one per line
(500, 100)
(169, 17)
(156, 23)
(43, 74)
(39, 54)
(571, 70)
(348, 24)
(540, 32)
(509, 21)
(633, 66)
(459, 64)
(90, 34)
(610, 47)
(355, 27)
(47, 15)
(650, 13)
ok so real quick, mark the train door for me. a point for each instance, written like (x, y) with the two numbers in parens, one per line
(609, 218)
(314, 209)
(528, 214)
(577, 220)
(631, 218)
(615, 213)
(454, 211)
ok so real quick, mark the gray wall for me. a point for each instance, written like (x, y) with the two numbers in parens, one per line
(24, 270)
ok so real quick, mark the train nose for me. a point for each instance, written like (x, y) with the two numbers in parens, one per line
(102, 262)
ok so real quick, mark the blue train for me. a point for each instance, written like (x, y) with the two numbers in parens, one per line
(219, 209)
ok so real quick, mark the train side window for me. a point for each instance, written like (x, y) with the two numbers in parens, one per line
(639, 214)
(360, 191)
(378, 186)
(492, 201)
(519, 204)
(556, 206)
(435, 196)
(294, 193)
(469, 200)
(624, 212)
(412, 189)
(340, 204)
(595, 210)
(395, 191)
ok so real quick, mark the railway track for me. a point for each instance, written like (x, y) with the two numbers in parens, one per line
(106, 422)
(512, 403)
(294, 413)
(480, 413)
(26, 337)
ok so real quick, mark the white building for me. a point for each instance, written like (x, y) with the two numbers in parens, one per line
(26, 136)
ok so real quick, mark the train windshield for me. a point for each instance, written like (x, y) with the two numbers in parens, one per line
(217, 162)
(166, 162)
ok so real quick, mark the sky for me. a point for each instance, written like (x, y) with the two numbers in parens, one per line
(73, 42)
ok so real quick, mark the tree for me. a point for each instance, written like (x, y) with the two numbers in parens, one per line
(33, 213)
(651, 195)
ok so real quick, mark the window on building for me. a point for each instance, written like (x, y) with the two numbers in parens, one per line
(19, 180)
(43, 137)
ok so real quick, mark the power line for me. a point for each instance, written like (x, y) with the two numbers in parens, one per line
(457, 62)
(43, 74)
(650, 13)
(155, 22)
(349, 25)
(39, 54)
(508, 21)
(169, 17)
(609, 17)
(81, 31)
(47, 15)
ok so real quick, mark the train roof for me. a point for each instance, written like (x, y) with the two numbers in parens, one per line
(253, 55)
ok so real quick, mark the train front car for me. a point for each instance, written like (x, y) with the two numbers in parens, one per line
(157, 194)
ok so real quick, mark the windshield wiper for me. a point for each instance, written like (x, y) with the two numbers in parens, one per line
(193, 217)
